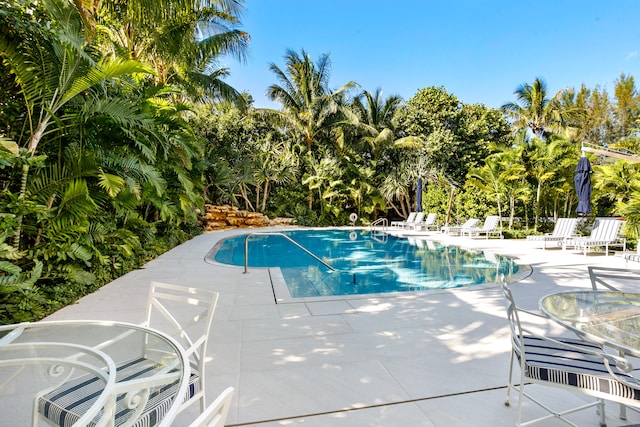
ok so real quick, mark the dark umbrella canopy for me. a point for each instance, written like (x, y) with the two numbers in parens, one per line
(419, 195)
(582, 180)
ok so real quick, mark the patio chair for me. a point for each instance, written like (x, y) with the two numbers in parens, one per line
(614, 279)
(562, 230)
(185, 314)
(430, 222)
(632, 257)
(605, 232)
(568, 363)
(491, 226)
(400, 224)
(216, 414)
(409, 224)
(457, 229)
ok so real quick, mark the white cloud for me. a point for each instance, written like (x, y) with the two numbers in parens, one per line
(632, 55)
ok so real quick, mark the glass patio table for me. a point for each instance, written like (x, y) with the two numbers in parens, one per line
(610, 318)
(39, 361)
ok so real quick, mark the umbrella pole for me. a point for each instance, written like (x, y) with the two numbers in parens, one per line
(453, 190)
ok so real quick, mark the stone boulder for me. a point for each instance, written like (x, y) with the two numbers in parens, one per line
(225, 217)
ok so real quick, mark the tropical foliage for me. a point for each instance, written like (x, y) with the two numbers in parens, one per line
(116, 127)
(99, 167)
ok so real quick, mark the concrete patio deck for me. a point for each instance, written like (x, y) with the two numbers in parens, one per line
(437, 358)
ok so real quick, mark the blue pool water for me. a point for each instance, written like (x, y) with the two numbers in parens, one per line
(365, 262)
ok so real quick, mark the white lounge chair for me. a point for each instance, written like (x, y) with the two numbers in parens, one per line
(564, 228)
(605, 232)
(430, 222)
(457, 229)
(407, 225)
(491, 226)
(400, 224)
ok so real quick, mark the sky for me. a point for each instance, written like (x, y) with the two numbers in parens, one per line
(479, 51)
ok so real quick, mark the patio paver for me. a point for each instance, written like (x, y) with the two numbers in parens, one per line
(432, 359)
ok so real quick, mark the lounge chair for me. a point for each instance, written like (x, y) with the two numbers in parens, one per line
(457, 229)
(407, 225)
(605, 232)
(428, 223)
(491, 226)
(400, 224)
(564, 229)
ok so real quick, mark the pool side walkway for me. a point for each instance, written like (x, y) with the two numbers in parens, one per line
(432, 359)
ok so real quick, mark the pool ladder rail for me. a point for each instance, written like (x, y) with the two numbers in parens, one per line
(384, 222)
(305, 250)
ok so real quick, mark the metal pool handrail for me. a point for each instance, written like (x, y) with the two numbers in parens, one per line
(383, 221)
(246, 249)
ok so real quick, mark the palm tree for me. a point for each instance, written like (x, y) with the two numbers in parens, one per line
(544, 163)
(308, 103)
(489, 179)
(181, 44)
(309, 106)
(53, 69)
(534, 109)
(374, 119)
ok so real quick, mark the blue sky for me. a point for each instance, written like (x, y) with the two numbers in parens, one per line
(479, 51)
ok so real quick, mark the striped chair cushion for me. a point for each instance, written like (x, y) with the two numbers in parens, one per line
(632, 257)
(65, 405)
(549, 362)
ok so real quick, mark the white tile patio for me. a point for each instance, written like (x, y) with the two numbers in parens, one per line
(436, 358)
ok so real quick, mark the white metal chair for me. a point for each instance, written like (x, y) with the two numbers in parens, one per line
(567, 363)
(416, 220)
(614, 279)
(430, 222)
(632, 257)
(605, 232)
(562, 230)
(491, 226)
(216, 413)
(182, 312)
(456, 229)
(400, 224)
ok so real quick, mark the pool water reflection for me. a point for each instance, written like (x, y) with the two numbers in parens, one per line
(366, 262)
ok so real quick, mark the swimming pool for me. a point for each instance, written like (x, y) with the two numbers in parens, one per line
(365, 262)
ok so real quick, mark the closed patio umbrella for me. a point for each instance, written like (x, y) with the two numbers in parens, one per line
(582, 181)
(419, 195)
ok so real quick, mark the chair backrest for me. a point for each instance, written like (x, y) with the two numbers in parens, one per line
(186, 314)
(411, 217)
(513, 318)
(565, 227)
(215, 414)
(491, 222)
(418, 218)
(471, 222)
(615, 279)
(606, 230)
(430, 219)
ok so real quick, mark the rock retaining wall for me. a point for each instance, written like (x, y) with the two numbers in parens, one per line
(224, 217)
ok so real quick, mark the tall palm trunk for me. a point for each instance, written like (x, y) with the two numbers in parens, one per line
(21, 195)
